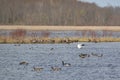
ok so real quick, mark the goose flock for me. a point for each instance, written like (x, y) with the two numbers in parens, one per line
(64, 64)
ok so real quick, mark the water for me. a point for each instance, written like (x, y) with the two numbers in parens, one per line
(64, 34)
(46, 56)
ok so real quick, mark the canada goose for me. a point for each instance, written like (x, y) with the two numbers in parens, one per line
(23, 63)
(84, 55)
(51, 48)
(93, 54)
(37, 69)
(66, 64)
(80, 46)
(16, 44)
(55, 68)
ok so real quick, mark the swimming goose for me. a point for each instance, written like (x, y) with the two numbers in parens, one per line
(55, 68)
(51, 48)
(37, 69)
(66, 64)
(84, 55)
(23, 63)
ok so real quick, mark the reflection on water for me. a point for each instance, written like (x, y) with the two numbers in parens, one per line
(67, 33)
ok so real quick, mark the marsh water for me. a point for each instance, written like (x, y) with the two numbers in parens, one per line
(106, 67)
(64, 34)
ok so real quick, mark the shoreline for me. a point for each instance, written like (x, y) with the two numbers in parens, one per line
(68, 40)
(58, 28)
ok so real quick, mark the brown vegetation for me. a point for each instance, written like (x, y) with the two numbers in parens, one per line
(19, 33)
(60, 28)
(88, 34)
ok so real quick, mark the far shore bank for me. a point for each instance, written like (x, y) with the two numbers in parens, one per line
(59, 28)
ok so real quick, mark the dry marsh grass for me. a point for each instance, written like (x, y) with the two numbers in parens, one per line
(14, 27)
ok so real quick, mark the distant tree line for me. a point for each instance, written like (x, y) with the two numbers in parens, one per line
(57, 12)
